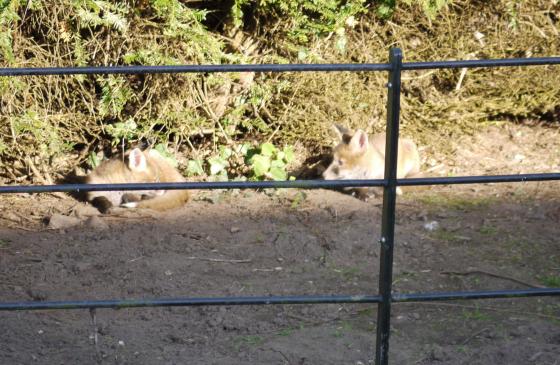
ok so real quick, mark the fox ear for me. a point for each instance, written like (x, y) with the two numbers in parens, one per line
(359, 141)
(341, 131)
(137, 160)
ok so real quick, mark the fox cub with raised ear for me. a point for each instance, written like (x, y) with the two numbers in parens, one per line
(136, 166)
(359, 157)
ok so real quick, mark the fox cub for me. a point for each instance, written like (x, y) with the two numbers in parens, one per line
(358, 157)
(136, 166)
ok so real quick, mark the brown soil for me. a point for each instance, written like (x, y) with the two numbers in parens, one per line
(499, 236)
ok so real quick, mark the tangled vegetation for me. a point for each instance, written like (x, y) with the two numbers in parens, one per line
(49, 125)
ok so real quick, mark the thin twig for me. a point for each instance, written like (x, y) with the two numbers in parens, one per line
(281, 354)
(219, 260)
(43, 180)
(474, 335)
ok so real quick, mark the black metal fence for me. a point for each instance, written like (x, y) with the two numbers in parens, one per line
(390, 182)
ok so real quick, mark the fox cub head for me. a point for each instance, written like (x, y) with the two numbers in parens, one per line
(141, 166)
(350, 157)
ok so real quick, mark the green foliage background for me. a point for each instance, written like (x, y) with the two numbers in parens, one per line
(49, 125)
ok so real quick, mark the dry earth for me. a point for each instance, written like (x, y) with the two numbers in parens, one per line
(499, 236)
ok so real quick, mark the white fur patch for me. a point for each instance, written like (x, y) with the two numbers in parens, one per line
(129, 205)
(137, 160)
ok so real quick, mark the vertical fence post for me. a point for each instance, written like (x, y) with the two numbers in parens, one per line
(388, 215)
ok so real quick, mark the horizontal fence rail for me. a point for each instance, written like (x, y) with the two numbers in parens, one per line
(353, 67)
(478, 179)
(389, 183)
(535, 61)
(303, 299)
(304, 184)
(296, 184)
(108, 70)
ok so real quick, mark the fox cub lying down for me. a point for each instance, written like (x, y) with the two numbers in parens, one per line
(360, 157)
(136, 166)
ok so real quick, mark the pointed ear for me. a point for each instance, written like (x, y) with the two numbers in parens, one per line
(359, 142)
(137, 160)
(341, 131)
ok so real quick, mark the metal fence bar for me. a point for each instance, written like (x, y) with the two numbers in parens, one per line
(275, 300)
(535, 61)
(478, 179)
(491, 294)
(388, 210)
(107, 70)
(301, 184)
(191, 302)
(353, 67)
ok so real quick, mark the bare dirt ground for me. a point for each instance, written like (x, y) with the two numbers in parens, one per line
(499, 236)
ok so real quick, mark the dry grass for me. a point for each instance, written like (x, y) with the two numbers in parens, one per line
(53, 123)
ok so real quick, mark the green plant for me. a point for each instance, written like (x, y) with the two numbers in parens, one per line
(269, 163)
(219, 162)
(305, 20)
(93, 160)
(186, 24)
(170, 157)
(265, 162)
(122, 131)
(47, 135)
(512, 10)
(8, 16)
(552, 281)
(115, 93)
(95, 13)
(430, 7)
(195, 167)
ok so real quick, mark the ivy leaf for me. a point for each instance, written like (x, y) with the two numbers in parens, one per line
(217, 164)
(277, 173)
(260, 164)
(93, 160)
(267, 149)
(162, 149)
(243, 149)
(288, 154)
(194, 167)
(278, 163)
(225, 152)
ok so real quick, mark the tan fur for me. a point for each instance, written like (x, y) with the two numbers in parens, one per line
(138, 167)
(360, 157)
